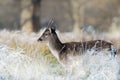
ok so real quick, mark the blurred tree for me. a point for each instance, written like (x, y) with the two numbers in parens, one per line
(10, 14)
(26, 13)
(78, 14)
(100, 13)
(70, 14)
(30, 20)
(36, 15)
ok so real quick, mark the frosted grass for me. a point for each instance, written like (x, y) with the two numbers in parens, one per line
(102, 66)
(17, 66)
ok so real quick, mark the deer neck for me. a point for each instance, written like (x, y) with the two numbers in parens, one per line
(55, 45)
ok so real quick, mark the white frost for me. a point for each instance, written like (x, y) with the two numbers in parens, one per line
(17, 66)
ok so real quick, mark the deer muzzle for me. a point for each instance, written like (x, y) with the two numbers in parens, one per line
(39, 39)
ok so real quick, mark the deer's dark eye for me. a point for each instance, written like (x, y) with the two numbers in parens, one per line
(46, 35)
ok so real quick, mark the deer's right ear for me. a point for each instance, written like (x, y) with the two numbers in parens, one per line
(52, 30)
(51, 25)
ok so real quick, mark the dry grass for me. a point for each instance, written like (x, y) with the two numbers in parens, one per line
(28, 42)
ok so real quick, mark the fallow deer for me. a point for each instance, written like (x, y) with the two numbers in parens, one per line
(62, 51)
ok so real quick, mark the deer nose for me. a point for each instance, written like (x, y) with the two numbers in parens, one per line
(39, 39)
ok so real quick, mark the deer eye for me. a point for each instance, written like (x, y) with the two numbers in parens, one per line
(46, 35)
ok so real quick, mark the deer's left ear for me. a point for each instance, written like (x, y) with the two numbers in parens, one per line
(52, 25)
(52, 30)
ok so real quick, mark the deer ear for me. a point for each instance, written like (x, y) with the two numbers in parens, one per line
(51, 25)
(52, 30)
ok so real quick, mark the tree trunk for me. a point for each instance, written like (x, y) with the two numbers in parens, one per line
(26, 13)
(36, 15)
(78, 15)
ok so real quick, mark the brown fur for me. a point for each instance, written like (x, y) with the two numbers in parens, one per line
(79, 48)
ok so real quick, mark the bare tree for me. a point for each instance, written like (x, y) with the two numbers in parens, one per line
(30, 20)
(36, 15)
(26, 13)
(78, 14)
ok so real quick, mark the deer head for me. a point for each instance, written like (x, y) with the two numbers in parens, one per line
(49, 31)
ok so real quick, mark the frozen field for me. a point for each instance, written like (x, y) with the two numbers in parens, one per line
(22, 58)
(16, 66)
